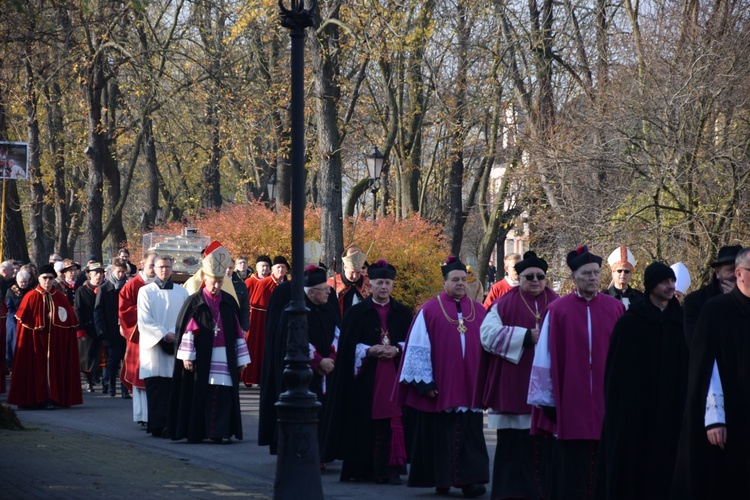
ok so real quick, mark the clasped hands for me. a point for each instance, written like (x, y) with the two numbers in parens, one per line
(383, 351)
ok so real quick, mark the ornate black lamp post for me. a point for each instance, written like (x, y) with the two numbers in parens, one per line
(298, 463)
(374, 166)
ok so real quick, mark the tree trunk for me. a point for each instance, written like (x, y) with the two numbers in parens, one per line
(326, 74)
(97, 153)
(112, 171)
(36, 217)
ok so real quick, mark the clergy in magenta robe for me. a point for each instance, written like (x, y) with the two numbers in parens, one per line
(567, 374)
(256, 335)
(509, 334)
(128, 314)
(437, 378)
(45, 366)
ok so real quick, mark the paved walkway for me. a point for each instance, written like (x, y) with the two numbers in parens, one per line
(96, 451)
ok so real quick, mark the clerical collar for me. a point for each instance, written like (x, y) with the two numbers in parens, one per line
(511, 282)
(357, 283)
(383, 304)
(164, 285)
(145, 278)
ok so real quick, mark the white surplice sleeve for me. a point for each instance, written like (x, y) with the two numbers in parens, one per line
(715, 400)
(540, 383)
(417, 354)
(501, 340)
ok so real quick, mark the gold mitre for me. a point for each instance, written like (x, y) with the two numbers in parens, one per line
(353, 257)
(216, 260)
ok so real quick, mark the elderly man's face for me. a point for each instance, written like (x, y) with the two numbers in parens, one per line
(23, 283)
(96, 277)
(279, 271)
(622, 276)
(587, 279)
(352, 274)
(455, 284)
(7, 272)
(742, 277)
(213, 285)
(533, 281)
(318, 294)
(381, 289)
(263, 269)
(45, 281)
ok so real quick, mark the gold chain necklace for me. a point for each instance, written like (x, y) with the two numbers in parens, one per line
(535, 314)
(460, 321)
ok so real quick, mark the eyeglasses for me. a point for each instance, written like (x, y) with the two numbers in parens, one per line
(46, 277)
(620, 271)
(531, 276)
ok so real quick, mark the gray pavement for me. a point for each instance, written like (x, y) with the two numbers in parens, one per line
(96, 451)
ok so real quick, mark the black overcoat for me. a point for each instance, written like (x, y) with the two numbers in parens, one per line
(693, 304)
(348, 419)
(703, 470)
(106, 317)
(645, 382)
(189, 389)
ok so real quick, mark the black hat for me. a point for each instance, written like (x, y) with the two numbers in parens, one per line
(655, 273)
(314, 275)
(47, 269)
(452, 263)
(727, 254)
(263, 258)
(381, 270)
(581, 256)
(280, 260)
(530, 260)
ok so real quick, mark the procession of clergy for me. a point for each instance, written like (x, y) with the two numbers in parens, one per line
(613, 394)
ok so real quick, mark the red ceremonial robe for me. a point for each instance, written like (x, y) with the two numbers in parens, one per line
(497, 290)
(256, 335)
(128, 313)
(343, 289)
(250, 283)
(45, 366)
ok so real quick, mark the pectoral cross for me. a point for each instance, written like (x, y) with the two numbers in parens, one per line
(461, 327)
(216, 328)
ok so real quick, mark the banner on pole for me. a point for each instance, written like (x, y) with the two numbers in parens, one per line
(14, 160)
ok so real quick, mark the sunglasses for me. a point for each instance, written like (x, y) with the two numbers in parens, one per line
(531, 277)
(626, 271)
(46, 277)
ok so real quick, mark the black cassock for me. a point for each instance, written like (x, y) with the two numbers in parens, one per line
(190, 392)
(350, 432)
(321, 324)
(703, 470)
(645, 383)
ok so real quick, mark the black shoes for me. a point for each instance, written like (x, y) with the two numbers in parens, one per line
(473, 490)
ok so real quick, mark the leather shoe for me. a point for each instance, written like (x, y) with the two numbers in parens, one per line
(473, 490)
(90, 388)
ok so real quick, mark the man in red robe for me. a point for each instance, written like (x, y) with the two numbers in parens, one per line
(567, 375)
(505, 285)
(128, 313)
(256, 335)
(351, 286)
(509, 335)
(45, 366)
(262, 270)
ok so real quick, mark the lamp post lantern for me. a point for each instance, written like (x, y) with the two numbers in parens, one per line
(375, 161)
(298, 462)
(271, 187)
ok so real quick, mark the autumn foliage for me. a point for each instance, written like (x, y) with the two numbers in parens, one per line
(415, 247)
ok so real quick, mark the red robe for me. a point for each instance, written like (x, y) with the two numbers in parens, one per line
(45, 365)
(497, 290)
(256, 335)
(128, 313)
(250, 283)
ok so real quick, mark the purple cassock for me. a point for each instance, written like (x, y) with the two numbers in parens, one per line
(505, 364)
(568, 367)
(437, 352)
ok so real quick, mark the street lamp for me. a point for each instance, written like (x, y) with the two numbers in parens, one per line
(298, 462)
(271, 187)
(375, 161)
